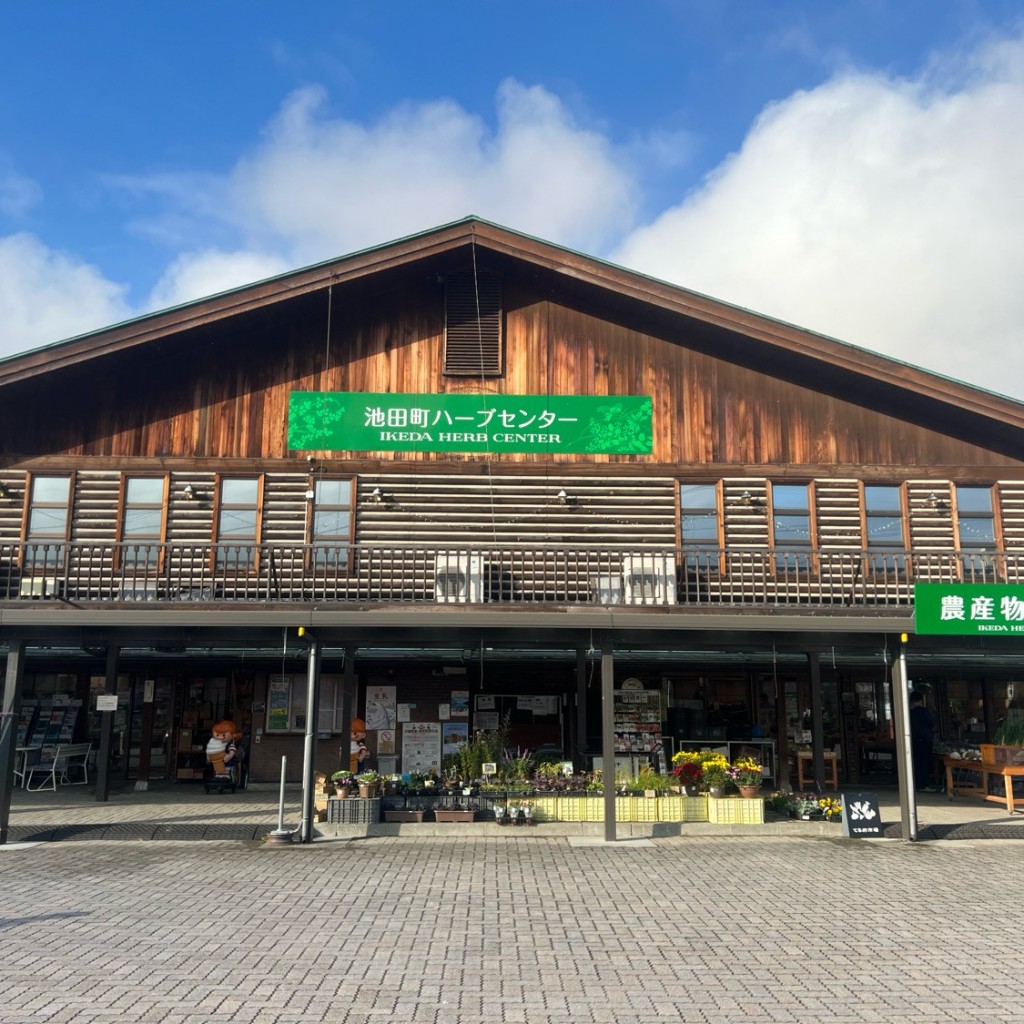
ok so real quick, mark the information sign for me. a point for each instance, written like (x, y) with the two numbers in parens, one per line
(861, 817)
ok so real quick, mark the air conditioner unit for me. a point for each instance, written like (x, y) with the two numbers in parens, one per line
(649, 579)
(41, 586)
(458, 579)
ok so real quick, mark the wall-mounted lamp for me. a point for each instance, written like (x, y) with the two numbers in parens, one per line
(310, 494)
(748, 500)
(190, 493)
(562, 497)
(5, 492)
(376, 495)
(933, 501)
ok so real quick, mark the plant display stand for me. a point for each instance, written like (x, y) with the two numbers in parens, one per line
(683, 808)
(352, 811)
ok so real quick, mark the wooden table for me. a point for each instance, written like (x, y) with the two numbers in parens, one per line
(1009, 772)
(806, 757)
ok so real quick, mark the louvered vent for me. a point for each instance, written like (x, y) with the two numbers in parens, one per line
(472, 325)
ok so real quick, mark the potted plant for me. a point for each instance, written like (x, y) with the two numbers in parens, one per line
(746, 773)
(714, 772)
(688, 774)
(343, 783)
(369, 784)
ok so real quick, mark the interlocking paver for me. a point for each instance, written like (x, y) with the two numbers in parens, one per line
(482, 930)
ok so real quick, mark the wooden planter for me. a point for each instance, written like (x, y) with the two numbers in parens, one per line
(447, 814)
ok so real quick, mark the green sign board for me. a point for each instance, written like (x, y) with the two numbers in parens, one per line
(961, 609)
(549, 424)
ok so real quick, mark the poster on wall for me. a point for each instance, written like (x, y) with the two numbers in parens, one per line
(487, 721)
(405, 712)
(381, 710)
(485, 702)
(421, 747)
(277, 699)
(453, 736)
(386, 741)
(460, 704)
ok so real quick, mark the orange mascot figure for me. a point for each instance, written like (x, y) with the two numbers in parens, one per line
(222, 749)
(358, 749)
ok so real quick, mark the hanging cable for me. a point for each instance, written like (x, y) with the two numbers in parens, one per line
(483, 381)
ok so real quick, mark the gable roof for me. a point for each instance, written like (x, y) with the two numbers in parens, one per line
(632, 290)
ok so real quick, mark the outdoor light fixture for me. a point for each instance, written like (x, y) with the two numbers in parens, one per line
(376, 495)
(935, 502)
(5, 491)
(190, 493)
(310, 494)
(563, 498)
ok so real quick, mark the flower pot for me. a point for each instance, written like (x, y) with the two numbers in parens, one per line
(749, 792)
(343, 791)
(369, 790)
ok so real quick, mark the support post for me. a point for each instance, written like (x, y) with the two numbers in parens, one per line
(817, 722)
(579, 757)
(10, 712)
(348, 702)
(309, 750)
(608, 739)
(904, 748)
(107, 729)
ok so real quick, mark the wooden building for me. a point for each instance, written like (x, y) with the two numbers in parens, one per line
(469, 462)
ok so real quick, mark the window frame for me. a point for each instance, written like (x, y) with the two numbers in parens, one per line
(47, 540)
(711, 567)
(873, 551)
(810, 546)
(972, 551)
(220, 506)
(160, 540)
(296, 702)
(341, 566)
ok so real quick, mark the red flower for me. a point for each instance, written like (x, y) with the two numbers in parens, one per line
(688, 773)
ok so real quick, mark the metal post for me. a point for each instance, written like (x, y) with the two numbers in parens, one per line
(608, 740)
(309, 751)
(280, 836)
(10, 712)
(348, 709)
(904, 747)
(107, 730)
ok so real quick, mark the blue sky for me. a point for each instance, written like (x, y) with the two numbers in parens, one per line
(852, 167)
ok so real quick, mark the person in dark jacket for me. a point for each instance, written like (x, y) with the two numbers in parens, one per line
(922, 741)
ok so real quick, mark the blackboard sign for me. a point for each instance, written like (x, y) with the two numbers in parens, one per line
(861, 816)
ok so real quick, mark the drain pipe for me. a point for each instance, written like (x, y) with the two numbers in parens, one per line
(281, 836)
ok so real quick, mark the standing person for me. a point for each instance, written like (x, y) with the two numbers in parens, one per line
(922, 741)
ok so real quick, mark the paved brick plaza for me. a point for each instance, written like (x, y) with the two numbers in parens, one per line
(514, 929)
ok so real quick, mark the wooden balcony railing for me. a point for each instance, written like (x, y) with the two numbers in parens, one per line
(230, 574)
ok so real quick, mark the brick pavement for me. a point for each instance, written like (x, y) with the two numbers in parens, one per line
(468, 930)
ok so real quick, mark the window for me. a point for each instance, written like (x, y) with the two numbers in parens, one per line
(238, 521)
(791, 527)
(332, 522)
(286, 704)
(883, 528)
(698, 526)
(48, 522)
(142, 521)
(976, 532)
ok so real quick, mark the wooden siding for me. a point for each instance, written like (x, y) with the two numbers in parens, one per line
(223, 394)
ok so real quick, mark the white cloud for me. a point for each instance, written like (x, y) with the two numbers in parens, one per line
(318, 187)
(884, 212)
(18, 194)
(46, 295)
(196, 275)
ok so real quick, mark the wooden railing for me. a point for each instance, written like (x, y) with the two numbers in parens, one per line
(226, 573)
